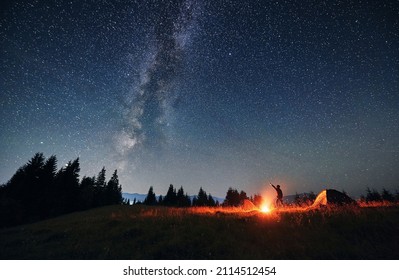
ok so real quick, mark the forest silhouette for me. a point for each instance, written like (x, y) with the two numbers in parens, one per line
(38, 191)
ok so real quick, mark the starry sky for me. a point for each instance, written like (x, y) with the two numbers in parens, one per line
(207, 93)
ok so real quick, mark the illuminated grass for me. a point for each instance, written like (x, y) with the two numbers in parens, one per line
(140, 232)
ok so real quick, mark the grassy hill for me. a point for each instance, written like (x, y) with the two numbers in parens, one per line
(140, 232)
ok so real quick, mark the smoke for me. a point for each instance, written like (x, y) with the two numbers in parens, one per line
(145, 118)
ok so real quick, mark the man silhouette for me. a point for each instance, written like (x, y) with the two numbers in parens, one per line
(279, 200)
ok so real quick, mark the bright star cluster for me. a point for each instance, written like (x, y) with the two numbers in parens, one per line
(205, 93)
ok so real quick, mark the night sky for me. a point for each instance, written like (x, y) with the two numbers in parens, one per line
(304, 94)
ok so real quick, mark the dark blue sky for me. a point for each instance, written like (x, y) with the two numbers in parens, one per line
(205, 93)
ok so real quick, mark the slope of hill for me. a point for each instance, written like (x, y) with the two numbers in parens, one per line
(141, 232)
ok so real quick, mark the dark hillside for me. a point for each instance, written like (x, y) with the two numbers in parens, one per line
(143, 232)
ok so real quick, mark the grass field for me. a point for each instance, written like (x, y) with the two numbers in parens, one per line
(140, 232)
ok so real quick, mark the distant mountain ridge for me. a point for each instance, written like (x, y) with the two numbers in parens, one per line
(137, 196)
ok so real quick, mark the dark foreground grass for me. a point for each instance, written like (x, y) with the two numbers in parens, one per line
(139, 232)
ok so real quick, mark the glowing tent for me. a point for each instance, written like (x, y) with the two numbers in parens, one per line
(248, 205)
(332, 197)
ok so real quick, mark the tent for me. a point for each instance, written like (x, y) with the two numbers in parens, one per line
(248, 205)
(331, 197)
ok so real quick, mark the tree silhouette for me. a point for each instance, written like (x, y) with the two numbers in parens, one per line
(170, 198)
(183, 199)
(86, 193)
(232, 198)
(27, 196)
(151, 198)
(48, 174)
(387, 195)
(113, 191)
(30, 188)
(201, 198)
(99, 188)
(372, 195)
(211, 202)
(243, 196)
(67, 187)
(37, 191)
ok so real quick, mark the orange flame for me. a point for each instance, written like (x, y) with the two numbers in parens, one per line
(265, 208)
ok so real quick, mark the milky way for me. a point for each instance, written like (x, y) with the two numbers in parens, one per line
(145, 118)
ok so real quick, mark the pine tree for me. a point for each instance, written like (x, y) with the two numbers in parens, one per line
(243, 196)
(33, 188)
(201, 199)
(47, 182)
(50, 167)
(372, 196)
(387, 195)
(232, 198)
(211, 202)
(22, 194)
(113, 191)
(67, 187)
(99, 189)
(171, 197)
(100, 180)
(86, 193)
(183, 199)
(38, 191)
(151, 197)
